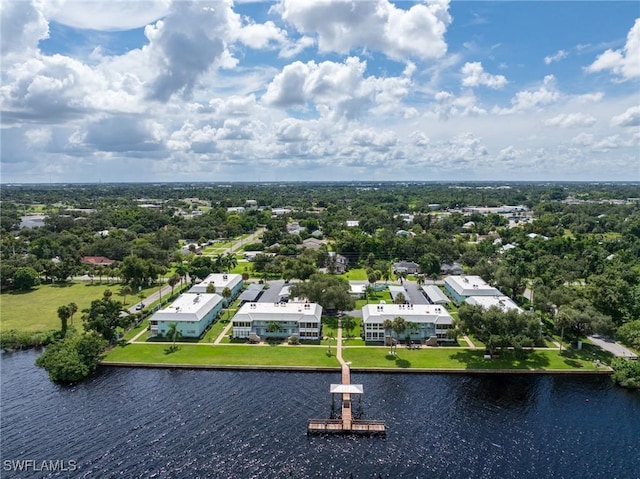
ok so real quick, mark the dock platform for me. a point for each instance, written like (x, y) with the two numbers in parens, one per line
(347, 422)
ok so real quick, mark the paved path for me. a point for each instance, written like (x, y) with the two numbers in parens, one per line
(612, 346)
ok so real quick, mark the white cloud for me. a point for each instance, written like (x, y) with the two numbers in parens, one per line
(107, 15)
(556, 57)
(545, 94)
(571, 120)
(631, 117)
(23, 26)
(343, 25)
(474, 75)
(624, 63)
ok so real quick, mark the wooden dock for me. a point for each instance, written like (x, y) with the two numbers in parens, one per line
(346, 423)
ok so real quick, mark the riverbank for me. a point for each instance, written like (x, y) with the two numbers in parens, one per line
(374, 359)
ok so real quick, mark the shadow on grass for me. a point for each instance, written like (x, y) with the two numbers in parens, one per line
(507, 360)
(170, 350)
(403, 363)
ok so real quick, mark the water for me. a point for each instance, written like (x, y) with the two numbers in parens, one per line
(135, 423)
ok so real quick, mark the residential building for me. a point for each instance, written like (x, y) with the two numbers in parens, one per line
(408, 267)
(435, 294)
(432, 321)
(358, 290)
(97, 260)
(220, 281)
(462, 287)
(353, 223)
(192, 313)
(301, 320)
(337, 262)
(313, 243)
(503, 303)
(455, 268)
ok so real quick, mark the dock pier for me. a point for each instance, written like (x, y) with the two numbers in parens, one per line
(346, 423)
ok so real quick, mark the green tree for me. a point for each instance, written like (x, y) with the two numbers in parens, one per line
(211, 288)
(329, 291)
(274, 327)
(125, 291)
(226, 294)
(104, 317)
(400, 299)
(73, 358)
(399, 326)
(25, 278)
(429, 264)
(64, 313)
(174, 333)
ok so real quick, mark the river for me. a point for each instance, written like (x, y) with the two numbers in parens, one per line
(161, 423)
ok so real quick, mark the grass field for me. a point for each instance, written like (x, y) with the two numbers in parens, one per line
(37, 310)
(360, 357)
(224, 355)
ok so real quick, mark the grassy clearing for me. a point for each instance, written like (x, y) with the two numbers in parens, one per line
(436, 358)
(356, 274)
(223, 355)
(360, 357)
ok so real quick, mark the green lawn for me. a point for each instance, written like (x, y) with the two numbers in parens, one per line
(356, 274)
(37, 310)
(360, 357)
(224, 355)
(378, 357)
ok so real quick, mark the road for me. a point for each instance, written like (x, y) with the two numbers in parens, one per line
(612, 346)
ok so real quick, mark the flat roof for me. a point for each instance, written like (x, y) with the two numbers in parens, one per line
(188, 307)
(502, 302)
(279, 312)
(346, 389)
(219, 280)
(471, 286)
(435, 294)
(252, 292)
(417, 313)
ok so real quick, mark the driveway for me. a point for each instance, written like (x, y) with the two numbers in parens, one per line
(612, 346)
(415, 295)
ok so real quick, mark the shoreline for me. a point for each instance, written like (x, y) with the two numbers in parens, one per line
(228, 367)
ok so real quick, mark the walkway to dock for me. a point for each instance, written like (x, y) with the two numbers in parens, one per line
(346, 423)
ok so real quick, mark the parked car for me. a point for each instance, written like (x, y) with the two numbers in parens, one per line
(140, 306)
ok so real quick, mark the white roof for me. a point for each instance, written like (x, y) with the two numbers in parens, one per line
(357, 288)
(435, 294)
(346, 389)
(417, 313)
(219, 280)
(309, 312)
(503, 302)
(471, 286)
(188, 307)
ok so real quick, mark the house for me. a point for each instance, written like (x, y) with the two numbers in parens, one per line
(235, 209)
(358, 290)
(435, 294)
(503, 303)
(313, 243)
(338, 262)
(278, 320)
(353, 223)
(462, 287)
(251, 204)
(432, 321)
(192, 313)
(220, 281)
(408, 267)
(97, 260)
(455, 268)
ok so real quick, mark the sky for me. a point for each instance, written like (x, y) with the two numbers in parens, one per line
(319, 90)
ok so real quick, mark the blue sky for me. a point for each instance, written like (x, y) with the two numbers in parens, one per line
(319, 89)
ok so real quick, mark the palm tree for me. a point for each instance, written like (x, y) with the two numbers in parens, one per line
(174, 333)
(231, 261)
(399, 326)
(182, 270)
(400, 299)
(226, 294)
(412, 328)
(73, 309)
(219, 263)
(211, 288)
(387, 325)
(64, 314)
(173, 280)
(126, 290)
